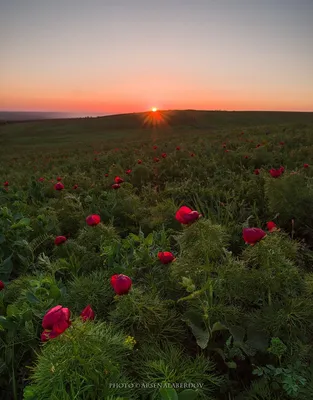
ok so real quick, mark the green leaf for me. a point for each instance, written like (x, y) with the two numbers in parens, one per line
(32, 298)
(202, 337)
(257, 339)
(231, 364)
(55, 292)
(168, 394)
(218, 327)
(187, 394)
(149, 240)
(6, 268)
(12, 310)
(2, 239)
(238, 333)
(6, 324)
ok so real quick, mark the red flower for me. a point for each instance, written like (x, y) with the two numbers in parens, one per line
(156, 159)
(252, 235)
(282, 169)
(87, 313)
(242, 133)
(75, 187)
(139, 162)
(116, 186)
(59, 179)
(258, 145)
(2, 285)
(59, 240)
(186, 216)
(93, 220)
(224, 145)
(305, 165)
(256, 171)
(192, 154)
(128, 171)
(281, 143)
(246, 157)
(59, 186)
(275, 173)
(177, 148)
(121, 283)
(41, 179)
(226, 151)
(166, 257)
(164, 155)
(106, 175)
(6, 184)
(117, 179)
(155, 147)
(55, 322)
(271, 226)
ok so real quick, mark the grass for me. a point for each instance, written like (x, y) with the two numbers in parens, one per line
(234, 320)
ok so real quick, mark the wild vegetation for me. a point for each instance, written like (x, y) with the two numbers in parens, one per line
(126, 267)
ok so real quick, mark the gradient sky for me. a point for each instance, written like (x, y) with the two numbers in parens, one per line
(112, 56)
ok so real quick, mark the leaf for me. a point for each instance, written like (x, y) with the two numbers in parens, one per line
(168, 394)
(187, 394)
(257, 339)
(6, 268)
(149, 240)
(2, 239)
(218, 327)
(55, 292)
(238, 333)
(6, 324)
(12, 310)
(231, 364)
(202, 337)
(32, 298)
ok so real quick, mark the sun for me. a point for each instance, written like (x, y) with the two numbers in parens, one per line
(154, 109)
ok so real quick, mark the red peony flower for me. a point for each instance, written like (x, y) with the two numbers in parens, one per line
(59, 186)
(226, 151)
(116, 186)
(121, 284)
(93, 220)
(271, 226)
(166, 257)
(59, 179)
(87, 313)
(246, 157)
(139, 162)
(305, 165)
(106, 175)
(55, 322)
(117, 179)
(59, 240)
(256, 171)
(252, 235)
(6, 184)
(41, 179)
(257, 146)
(186, 216)
(2, 285)
(155, 147)
(128, 171)
(192, 154)
(275, 173)
(177, 148)
(156, 159)
(75, 187)
(281, 143)
(164, 155)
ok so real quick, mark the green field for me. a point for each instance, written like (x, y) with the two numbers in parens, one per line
(224, 320)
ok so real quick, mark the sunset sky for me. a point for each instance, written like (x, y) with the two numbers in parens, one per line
(115, 56)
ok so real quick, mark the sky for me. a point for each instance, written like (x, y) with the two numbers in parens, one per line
(116, 56)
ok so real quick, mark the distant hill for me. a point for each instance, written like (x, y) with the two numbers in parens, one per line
(10, 116)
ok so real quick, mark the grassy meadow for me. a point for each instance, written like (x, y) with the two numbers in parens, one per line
(224, 320)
